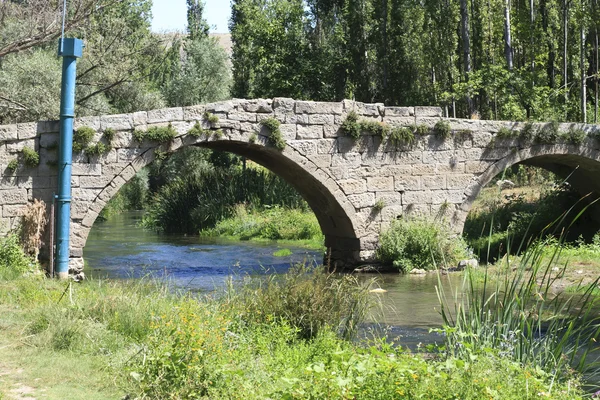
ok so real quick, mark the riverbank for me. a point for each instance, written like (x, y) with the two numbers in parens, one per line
(286, 226)
(106, 339)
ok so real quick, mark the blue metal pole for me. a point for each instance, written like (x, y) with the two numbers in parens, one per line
(69, 50)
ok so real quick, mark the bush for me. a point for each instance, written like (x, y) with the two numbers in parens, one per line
(82, 137)
(309, 299)
(350, 126)
(402, 136)
(548, 134)
(30, 157)
(13, 260)
(420, 244)
(441, 130)
(275, 138)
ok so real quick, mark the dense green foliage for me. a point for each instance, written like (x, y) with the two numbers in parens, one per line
(13, 261)
(422, 244)
(498, 59)
(194, 189)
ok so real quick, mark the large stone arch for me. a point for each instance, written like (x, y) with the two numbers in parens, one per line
(580, 163)
(335, 213)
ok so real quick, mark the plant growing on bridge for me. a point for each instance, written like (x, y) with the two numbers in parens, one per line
(12, 165)
(109, 135)
(210, 118)
(575, 135)
(441, 130)
(377, 128)
(197, 130)
(548, 134)
(421, 129)
(350, 125)
(275, 138)
(505, 133)
(82, 137)
(30, 157)
(402, 136)
(160, 134)
(528, 132)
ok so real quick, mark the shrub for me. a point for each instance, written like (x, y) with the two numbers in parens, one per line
(505, 132)
(350, 126)
(575, 135)
(109, 135)
(82, 138)
(310, 299)
(198, 131)
(160, 134)
(211, 118)
(30, 157)
(409, 244)
(13, 260)
(375, 127)
(275, 138)
(12, 165)
(548, 134)
(402, 136)
(421, 129)
(441, 130)
(528, 132)
(97, 149)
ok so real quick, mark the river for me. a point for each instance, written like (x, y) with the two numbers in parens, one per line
(119, 248)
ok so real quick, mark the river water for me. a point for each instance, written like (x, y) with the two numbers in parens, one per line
(119, 248)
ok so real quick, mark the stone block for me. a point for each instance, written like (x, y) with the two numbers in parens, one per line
(165, 115)
(362, 200)
(48, 127)
(353, 186)
(90, 122)
(194, 113)
(118, 122)
(129, 154)
(8, 132)
(140, 118)
(380, 183)
(459, 181)
(284, 105)
(311, 107)
(288, 131)
(241, 116)
(305, 147)
(327, 146)
(321, 119)
(407, 182)
(258, 106)
(13, 196)
(13, 210)
(86, 169)
(27, 130)
(49, 140)
(221, 107)
(433, 182)
(399, 112)
(426, 111)
(296, 119)
(309, 132)
(321, 160)
(332, 131)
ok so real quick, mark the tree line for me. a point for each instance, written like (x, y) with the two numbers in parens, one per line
(493, 59)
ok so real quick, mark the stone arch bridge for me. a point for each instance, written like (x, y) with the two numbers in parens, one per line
(355, 187)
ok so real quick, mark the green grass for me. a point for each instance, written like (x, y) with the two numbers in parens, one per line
(282, 253)
(276, 223)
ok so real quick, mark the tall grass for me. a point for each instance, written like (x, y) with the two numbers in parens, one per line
(518, 315)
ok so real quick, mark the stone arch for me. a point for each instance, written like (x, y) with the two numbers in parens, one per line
(323, 194)
(580, 163)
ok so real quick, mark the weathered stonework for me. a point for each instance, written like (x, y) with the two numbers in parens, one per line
(356, 188)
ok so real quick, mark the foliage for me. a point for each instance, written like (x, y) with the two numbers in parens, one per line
(160, 134)
(203, 76)
(197, 130)
(97, 149)
(273, 223)
(421, 129)
(422, 244)
(109, 135)
(31, 158)
(12, 165)
(505, 132)
(350, 125)
(576, 136)
(402, 136)
(441, 130)
(275, 138)
(548, 134)
(198, 199)
(13, 260)
(82, 137)
(519, 316)
(529, 132)
(309, 299)
(374, 127)
(211, 118)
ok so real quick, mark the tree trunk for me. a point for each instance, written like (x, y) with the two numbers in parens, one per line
(508, 51)
(464, 17)
(385, 47)
(531, 47)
